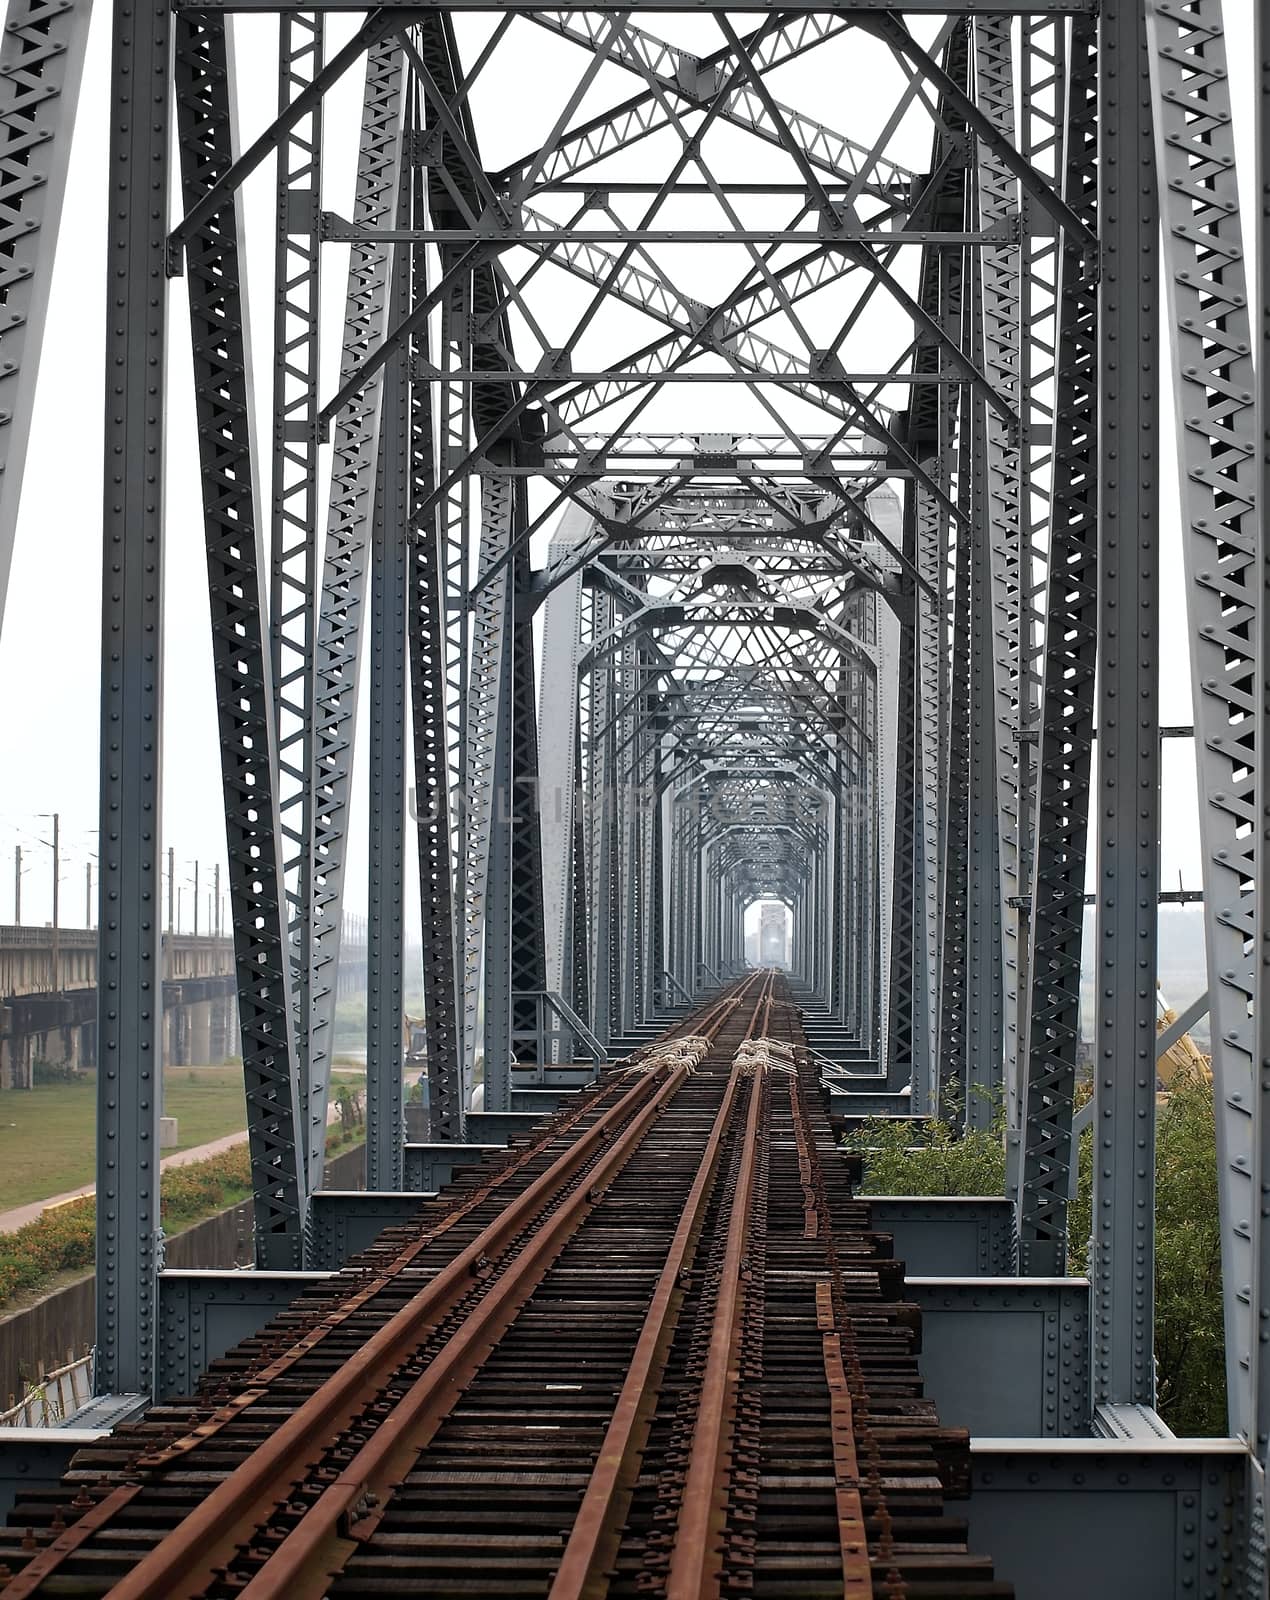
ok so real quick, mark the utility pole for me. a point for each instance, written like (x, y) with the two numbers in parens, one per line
(57, 877)
(17, 885)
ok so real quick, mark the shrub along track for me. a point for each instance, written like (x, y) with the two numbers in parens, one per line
(655, 1350)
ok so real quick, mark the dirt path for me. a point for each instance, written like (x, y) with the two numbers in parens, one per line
(11, 1221)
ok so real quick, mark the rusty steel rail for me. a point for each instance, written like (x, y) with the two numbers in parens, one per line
(596, 1533)
(350, 1509)
(696, 1563)
(658, 1351)
(857, 1575)
(187, 1562)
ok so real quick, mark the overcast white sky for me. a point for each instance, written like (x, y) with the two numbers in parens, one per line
(48, 653)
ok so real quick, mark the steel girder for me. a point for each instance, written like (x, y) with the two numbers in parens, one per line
(1126, 794)
(930, 432)
(1004, 496)
(1224, 546)
(486, 823)
(558, 750)
(292, 594)
(880, 8)
(41, 59)
(930, 533)
(129, 972)
(430, 699)
(980, 1071)
(1067, 712)
(527, 953)
(236, 590)
(1260, 1419)
(906, 977)
(385, 894)
(927, 921)
(345, 565)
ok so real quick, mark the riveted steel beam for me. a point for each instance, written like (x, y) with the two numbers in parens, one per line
(1224, 547)
(236, 589)
(1067, 714)
(1126, 798)
(41, 59)
(345, 565)
(294, 541)
(129, 1052)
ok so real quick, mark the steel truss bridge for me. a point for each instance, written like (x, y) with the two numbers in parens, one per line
(737, 477)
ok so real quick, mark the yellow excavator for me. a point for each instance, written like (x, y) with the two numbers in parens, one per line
(1183, 1055)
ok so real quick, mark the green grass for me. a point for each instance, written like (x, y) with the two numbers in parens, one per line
(48, 1135)
(57, 1247)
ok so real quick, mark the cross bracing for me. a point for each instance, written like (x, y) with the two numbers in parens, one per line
(735, 476)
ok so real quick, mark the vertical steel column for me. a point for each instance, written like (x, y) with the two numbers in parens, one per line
(129, 974)
(292, 607)
(386, 711)
(578, 987)
(929, 643)
(839, 1002)
(426, 627)
(1067, 707)
(527, 971)
(879, 867)
(487, 818)
(856, 802)
(901, 989)
(344, 569)
(557, 746)
(1128, 779)
(1261, 996)
(600, 759)
(822, 867)
(627, 927)
(653, 954)
(41, 58)
(1004, 498)
(984, 998)
(236, 576)
(1042, 125)
(1225, 539)
(954, 922)
(871, 879)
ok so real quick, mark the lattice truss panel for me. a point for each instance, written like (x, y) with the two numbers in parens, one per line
(775, 375)
(709, 496)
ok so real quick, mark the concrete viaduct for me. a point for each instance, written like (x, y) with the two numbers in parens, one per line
(48, 998)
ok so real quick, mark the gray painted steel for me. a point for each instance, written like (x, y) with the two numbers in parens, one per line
(660, 664)
(129, 974)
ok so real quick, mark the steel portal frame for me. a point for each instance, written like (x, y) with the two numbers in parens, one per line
(840, 639)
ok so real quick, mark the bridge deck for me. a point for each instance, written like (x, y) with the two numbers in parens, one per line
(663, 1329)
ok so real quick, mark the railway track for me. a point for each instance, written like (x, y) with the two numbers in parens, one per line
(657, 1350)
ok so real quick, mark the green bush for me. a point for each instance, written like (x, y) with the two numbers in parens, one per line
(64, 1239)
(192, 1191)
(45, 1072)
(932, 1157)
(1190, 1346)
(1189, 1338)
(55, 1242)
